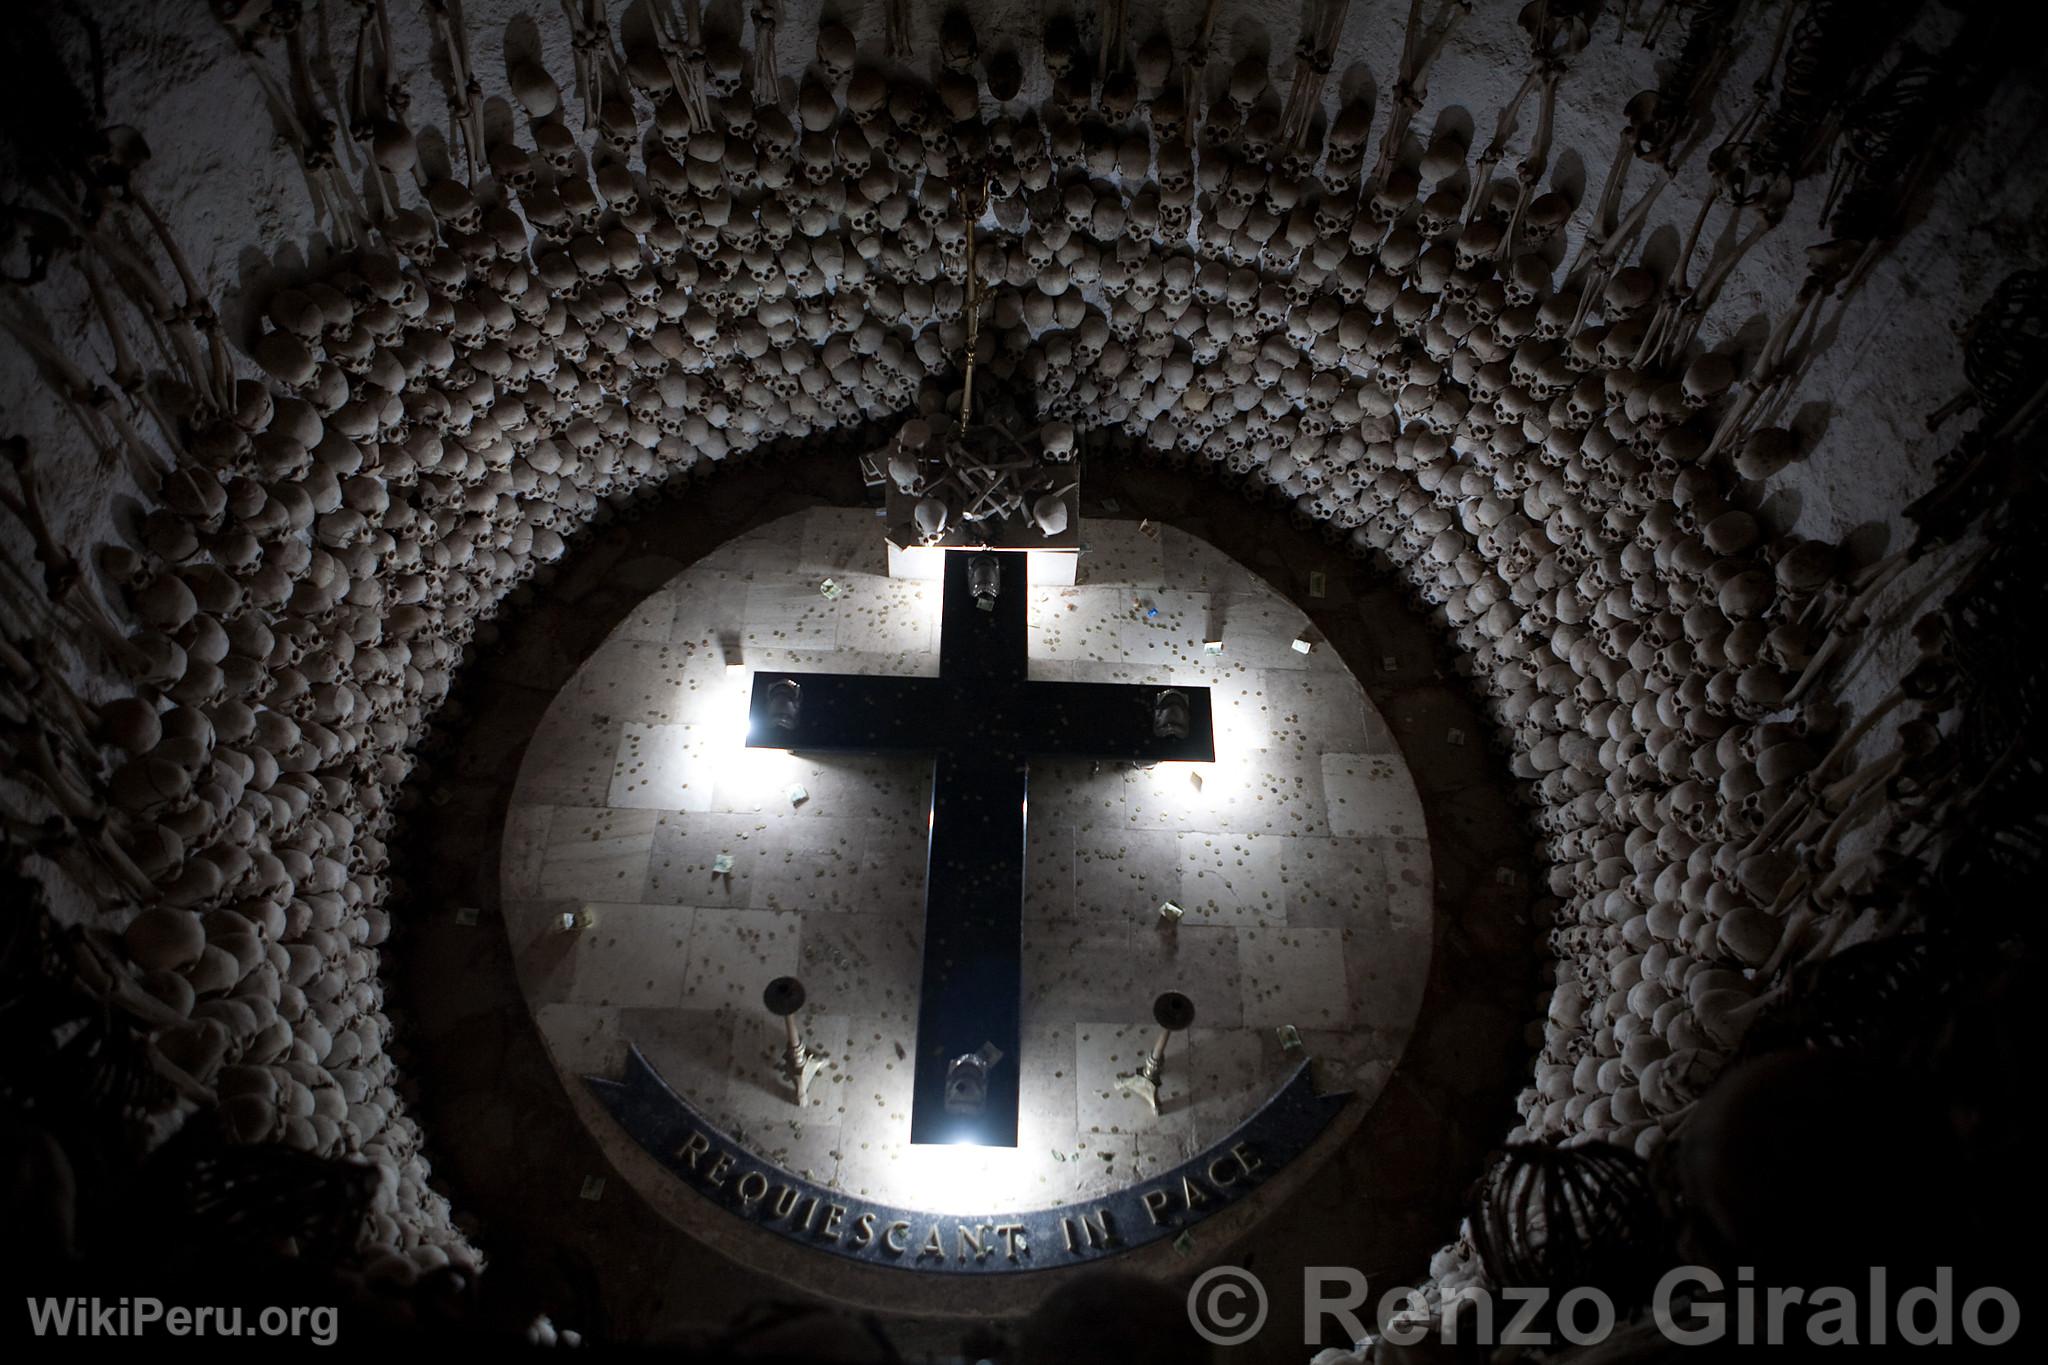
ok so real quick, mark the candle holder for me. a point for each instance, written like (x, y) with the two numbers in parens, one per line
(784, 997)
(1173, 1012)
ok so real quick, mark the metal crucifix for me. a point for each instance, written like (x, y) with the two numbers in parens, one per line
(983, 720)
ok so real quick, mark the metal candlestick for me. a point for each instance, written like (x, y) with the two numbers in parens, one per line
(1172, 1012)
(784, 997)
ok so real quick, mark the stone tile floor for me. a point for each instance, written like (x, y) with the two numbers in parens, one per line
(1299, 858)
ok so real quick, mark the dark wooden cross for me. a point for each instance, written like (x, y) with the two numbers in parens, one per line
(983, 720)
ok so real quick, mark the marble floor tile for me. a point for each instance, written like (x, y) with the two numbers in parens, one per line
(1115, 669)
(813, 865)
(1254, 791)
(568, 762)
(1233, 879)
(1072, 966)
(653, 620)
(1124, 873)
(880, 1069)
(1075, 791)
(1371, 794)
(597, 854)
(838, 544)
(1259, 629)
(636, 680)
(1202, 962)
(1117, 552)
(759, 1093)
(892, 866)
(690, 1049)
(835, 786)
(868, 964)
(1411, 885)
(887, 616)
(1164, 630)
(661, 767)
(734, 954)
(584, 1040)
(789, 616)
(1293, 976)
(682, 868)
(710, 608)
(1386, 973)
(1335, 882)
(1046, 1113)
(1328, 712)
(632, 956)
(1227, 1078)
(1106, 1051)
(524, 850)
(1072, 624)
(1193, 563)
(1242, 712)
(1048, 868)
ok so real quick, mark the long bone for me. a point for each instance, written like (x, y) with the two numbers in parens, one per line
(465, 92)
(198, 310)
(311, 136)
(1784, 355)
(767, 16)
(1685, 307)
(1315, 54)
(138, 280)
(1194, 68)
(1420, 47)
(1849, 627)
(85, 399)
(1601, 261)
(590, 39)
(40, 682)
(127, 375)
(1552, 39)
(370, 93)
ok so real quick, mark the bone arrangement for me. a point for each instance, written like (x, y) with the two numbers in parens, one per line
(599, 278)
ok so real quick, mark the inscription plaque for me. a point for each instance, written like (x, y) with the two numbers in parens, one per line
(963, 1243)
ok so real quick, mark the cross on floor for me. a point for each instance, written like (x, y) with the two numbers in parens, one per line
(983, 720)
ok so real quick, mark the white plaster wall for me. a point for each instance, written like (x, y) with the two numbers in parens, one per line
(238, 205)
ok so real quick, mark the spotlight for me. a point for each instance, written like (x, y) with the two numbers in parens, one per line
(785, 698)
(967, 1079)
(1170, 714)
(985, 579)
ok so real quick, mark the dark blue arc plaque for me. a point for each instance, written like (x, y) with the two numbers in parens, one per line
(984, 720)
(949, 1242)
